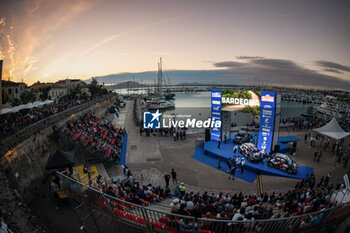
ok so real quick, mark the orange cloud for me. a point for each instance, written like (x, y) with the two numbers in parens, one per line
(23, 33)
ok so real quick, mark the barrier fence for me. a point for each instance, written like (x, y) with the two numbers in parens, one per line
(148, 220)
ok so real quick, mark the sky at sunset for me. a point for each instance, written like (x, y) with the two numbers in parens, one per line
(272, 41)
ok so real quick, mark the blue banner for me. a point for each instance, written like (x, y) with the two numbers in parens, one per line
(267, 120)
(215, 113)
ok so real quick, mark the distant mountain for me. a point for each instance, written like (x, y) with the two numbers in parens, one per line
(191, 84)
(128, 84)
(175, 76)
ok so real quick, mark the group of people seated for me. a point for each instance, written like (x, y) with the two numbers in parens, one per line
(11, 123)
(131, 191)
(306, 197)
(98, 135)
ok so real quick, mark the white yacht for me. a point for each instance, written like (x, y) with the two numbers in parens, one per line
(160, 104)
(330, 110)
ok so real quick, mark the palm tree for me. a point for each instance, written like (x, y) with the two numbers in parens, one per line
(75, 91)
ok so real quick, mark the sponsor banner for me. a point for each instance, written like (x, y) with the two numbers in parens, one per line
(226, 124)
(241, 101)
(216, 114)
(267, 119)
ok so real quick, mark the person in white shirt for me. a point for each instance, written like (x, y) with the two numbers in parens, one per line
(239, 214)
(175, 206)
(190, 205)
(238, 161)
(235, 150)
(242, 165)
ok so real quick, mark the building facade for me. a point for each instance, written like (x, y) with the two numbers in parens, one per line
(56, 92)
(12, 90)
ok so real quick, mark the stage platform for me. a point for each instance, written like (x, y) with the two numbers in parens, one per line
(209, 153)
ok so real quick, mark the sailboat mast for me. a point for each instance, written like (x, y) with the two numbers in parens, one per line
(160, 78)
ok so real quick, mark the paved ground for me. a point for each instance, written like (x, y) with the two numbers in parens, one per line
(162, 153)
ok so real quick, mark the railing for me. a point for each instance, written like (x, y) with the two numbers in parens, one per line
(150, 220)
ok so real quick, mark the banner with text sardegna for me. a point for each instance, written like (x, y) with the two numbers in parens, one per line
(215, 114)
(267, 120)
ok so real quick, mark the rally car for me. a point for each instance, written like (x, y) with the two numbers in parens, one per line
(250, 151)
(283, 162)
(241, 137)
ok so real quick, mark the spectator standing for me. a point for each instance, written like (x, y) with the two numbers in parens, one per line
(346, 159)
(219, 161)
(219, 143)
(182, 189)
(339, 154)
(229, 165)
(328, 177)
(315, 154)
(173, 175)
(167, 179)
(232, 172)
(174, 135)
(319, 156)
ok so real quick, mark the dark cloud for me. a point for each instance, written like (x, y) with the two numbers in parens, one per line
(281, 72)
(276, 64)
(333, 70)
(332, 65)
(228, 64)
(248, 57)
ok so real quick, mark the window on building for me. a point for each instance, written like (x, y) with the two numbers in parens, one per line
(10, 91)
(16, 90)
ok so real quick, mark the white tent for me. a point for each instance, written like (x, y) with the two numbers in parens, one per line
(25, 106)
(332, 129)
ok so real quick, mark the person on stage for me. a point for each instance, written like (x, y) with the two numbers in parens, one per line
(235, 150)
(242, 165)
(238, 161)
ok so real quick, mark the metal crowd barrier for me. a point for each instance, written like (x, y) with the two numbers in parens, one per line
(148, 220)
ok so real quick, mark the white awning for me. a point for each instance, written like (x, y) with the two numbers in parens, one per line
(332, 129)
(25, 106)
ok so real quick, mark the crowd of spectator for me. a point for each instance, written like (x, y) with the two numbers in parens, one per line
(98, 135)
(175, 133)
(11, 123)
(307, 197)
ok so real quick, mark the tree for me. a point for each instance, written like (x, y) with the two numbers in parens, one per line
(44, 93)
(75, 91)
(94, 87)
(27, 97)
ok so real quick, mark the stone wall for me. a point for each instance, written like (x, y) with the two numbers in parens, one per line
(22, 166)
